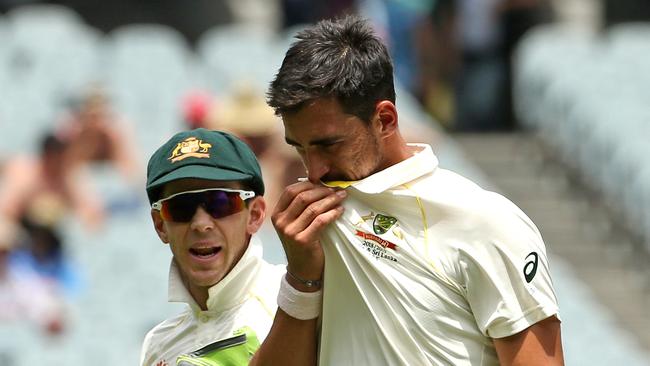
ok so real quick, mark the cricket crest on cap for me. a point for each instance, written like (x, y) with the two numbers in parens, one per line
(190, 147)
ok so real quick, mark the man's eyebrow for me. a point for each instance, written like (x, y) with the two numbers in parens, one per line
(324, 141)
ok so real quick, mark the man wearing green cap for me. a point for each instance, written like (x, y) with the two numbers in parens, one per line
(205, 189)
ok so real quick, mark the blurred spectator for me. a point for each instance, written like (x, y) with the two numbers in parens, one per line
(46, 187)
(296, 12)
(439, 61)
(24, 296)
(43, 254)
(618, 11)
(94, 133)
(196, 106)
(404, 18)
(190, 19)
(263, 14)
(245, 114)
(473, 43)
(480, 84)
(517, 17)
(6, 5)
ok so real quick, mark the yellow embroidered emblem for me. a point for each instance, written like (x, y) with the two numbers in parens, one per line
(190, 147)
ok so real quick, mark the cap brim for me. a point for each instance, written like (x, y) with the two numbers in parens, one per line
(200, 172)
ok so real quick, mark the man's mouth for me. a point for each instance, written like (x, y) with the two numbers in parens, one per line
(205, 252)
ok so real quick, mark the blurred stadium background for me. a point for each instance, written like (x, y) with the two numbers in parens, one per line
(570, 146)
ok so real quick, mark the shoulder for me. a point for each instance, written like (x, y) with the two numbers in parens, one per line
(162, 336)
(473, 223)
(469, 205)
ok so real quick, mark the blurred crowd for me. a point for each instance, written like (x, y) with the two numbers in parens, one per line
(38, 193)
(452, 55)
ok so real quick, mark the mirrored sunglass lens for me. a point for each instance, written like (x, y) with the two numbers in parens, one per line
(217, 203)
(221, 204)
(181, 208)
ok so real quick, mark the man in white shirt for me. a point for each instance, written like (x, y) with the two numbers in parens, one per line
(206, 192)
(419, 266)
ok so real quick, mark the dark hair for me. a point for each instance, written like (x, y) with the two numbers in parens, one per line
(342, 59)
(51, 144)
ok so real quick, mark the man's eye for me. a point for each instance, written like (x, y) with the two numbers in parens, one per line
(330, 145)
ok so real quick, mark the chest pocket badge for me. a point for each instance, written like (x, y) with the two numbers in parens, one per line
(234, 351)
(382, 223)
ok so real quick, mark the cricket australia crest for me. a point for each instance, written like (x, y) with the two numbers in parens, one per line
(190, 147)
(380, 242)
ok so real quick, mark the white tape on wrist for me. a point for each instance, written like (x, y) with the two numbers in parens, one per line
(298, 304)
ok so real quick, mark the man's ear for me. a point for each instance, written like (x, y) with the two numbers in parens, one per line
(159, 225)
(256, 214)
(385, 119)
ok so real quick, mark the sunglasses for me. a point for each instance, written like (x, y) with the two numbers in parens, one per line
(218, 202)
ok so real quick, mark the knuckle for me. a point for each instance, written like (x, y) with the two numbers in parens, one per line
(277, 219)
(292, 190)
(302, 198)
(321, 220)
(312, 210)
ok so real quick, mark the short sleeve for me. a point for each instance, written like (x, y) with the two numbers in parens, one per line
(506, 274)
(144, 352)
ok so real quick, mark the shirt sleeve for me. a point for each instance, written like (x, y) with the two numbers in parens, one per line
(144, 352)
(506, 274)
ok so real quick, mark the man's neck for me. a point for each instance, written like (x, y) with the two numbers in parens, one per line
(396, 151)
(199, 294)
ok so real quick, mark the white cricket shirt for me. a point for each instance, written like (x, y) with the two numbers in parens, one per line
(244, 298)
(424, 267)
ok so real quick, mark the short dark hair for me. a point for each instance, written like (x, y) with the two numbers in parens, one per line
(341, 59)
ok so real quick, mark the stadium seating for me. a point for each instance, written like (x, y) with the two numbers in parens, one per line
(148, 68)
(39, 70)
(586, 96)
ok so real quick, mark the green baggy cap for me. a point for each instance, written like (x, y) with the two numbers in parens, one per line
(203, 154)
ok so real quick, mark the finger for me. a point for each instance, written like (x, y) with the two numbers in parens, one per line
(312, 232)
(315, 209)
(290, 192)
(305, 199)
(289, 229)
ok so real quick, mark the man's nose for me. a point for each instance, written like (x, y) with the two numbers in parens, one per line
(316, 166)
(202, 220)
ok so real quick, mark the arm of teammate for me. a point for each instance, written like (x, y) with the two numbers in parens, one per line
(539, 344)
(302, 212)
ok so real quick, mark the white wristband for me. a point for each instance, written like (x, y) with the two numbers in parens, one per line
(298, 304)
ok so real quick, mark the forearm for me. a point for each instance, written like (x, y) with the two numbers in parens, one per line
(290, 342)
